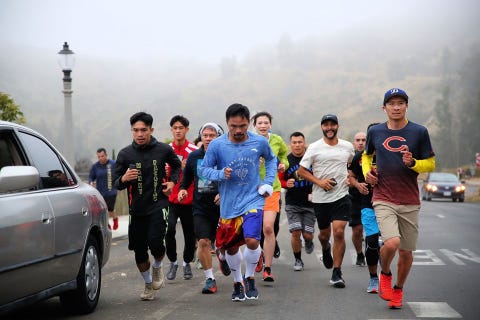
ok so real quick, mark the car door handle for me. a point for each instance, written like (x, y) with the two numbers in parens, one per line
(84, 212)
(46, 218)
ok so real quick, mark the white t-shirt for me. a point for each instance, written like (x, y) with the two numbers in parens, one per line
(329, 162)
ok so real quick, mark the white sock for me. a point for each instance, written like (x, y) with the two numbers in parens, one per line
(184, 263)
(251, 260)
(235, 264)
(157, 263)
(209, 273)
(221, 256)
(147, 276)
(175, 262)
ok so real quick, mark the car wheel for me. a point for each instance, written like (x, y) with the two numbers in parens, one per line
(454, 199)
(461, 199)
(84, 299)
(429, 197)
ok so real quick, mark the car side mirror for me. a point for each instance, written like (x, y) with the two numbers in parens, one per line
(13, 178)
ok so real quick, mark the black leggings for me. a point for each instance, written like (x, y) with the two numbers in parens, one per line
(186, 218)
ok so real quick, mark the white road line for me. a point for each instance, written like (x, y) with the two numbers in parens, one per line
(433, 310)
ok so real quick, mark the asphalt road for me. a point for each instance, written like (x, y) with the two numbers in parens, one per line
(443, 283)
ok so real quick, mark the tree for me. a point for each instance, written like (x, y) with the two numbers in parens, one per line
(9, 110)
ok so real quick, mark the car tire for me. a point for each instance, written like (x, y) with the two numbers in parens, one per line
(429, 197)
(84, 299)
(454, 199)
(461, 199)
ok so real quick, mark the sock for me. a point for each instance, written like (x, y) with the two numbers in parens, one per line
(251, 259)
(373, 275)
(184, 263)
(175, 262)
(298, 255)
(147, 276)
(235, 264)
(209, 273)
(397, 287)
(157, 263)
(387, 274)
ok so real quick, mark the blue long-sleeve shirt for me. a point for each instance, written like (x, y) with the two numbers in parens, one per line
(239, 194)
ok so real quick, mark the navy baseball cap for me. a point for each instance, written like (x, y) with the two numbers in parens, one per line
(394, 92)
(330, 117)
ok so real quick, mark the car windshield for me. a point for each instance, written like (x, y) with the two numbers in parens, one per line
(443, 177)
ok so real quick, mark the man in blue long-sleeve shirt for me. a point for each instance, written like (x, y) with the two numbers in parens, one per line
(234, 161)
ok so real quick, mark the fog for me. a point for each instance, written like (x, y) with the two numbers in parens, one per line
(296, 59)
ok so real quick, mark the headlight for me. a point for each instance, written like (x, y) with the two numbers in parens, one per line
(460, 188)
(434, 188)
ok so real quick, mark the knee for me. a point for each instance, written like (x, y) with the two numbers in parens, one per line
(296, 234)
(204, 243)
(268, 230)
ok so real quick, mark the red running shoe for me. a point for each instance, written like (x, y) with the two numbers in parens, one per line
(268, 276)
(396, 300)
(259, 266)
(385, 291)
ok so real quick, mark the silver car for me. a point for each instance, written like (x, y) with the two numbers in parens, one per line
(54, 238)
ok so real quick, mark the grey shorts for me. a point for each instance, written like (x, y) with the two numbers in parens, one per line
(300, 218)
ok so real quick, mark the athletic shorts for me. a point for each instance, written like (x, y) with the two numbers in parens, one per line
(205, 226)
(328, 212)
(398, 221)
(148, 232)
(300, 218)
(369, 222)
(232, 232)
(272, 203)
(355, 215)
(110, 200)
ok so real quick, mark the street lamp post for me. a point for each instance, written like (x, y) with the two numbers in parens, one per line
(66, 60)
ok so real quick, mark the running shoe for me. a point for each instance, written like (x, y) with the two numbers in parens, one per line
(259, 266)
(238, 292)
(337, 280)
(267, 275)
(298, 266)
(210, 286)
(373, 285)
(276, 253)
(360, 260)
(224, 268)
(172, 271)
(327, 257)
(251, 292)
(385, 289)
(187, 272)
(158, 278)
(396, 300)
(309, 246)
(148, 293)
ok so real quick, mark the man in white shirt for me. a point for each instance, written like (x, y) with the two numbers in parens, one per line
(329, 158)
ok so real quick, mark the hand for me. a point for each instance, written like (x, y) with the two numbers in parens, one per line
(167, 187)
(228, 172)
(290, 183)
(281, 167)
(407, 157)
(362, 187)
(217, 199)
(327, 184)
(265, 190)
(130, 174)
(371, 178)
(182, 194)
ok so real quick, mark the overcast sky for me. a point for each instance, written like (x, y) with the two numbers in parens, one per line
(205, 30)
